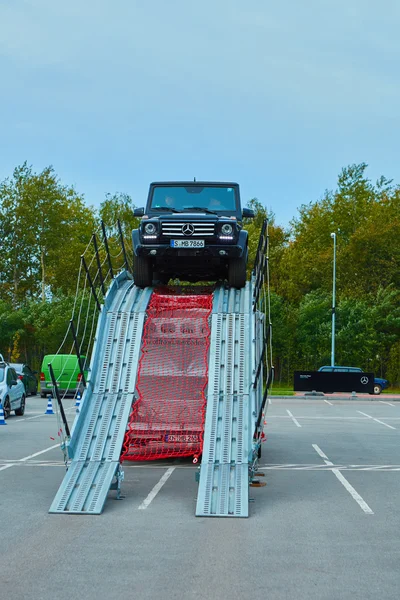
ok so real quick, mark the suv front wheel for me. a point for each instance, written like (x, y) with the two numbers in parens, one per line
(377, 389)
(237, 271)
(142, 271)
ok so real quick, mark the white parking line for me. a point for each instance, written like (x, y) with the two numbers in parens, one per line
(377, 420)
(322, 454)
(327, 401)
(21, 460)
(38, 453)
(383, 402)
(156, 489)
(337, 418)
(293, 419)
(354, 494)
(5, 467)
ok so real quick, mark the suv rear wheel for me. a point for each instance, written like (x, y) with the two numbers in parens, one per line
(377, 389)
(237, 271)
(142, 271)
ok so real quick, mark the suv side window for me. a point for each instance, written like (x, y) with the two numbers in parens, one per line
(9, 377)
(341, 370)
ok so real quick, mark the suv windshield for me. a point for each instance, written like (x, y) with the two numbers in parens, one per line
(218, 199)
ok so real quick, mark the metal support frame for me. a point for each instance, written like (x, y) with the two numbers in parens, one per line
(116, 485)
(260, 242)
(90, 282)
(96, 249)
(264, 401)
(60, 404)
(260, 262)
(105, 240)
(77, 351)
(121, 237)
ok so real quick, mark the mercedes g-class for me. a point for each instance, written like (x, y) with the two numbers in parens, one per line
(192, 231)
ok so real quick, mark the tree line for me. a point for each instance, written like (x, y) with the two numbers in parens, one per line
(45, 226)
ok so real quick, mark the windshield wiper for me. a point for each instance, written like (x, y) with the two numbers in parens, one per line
(200, 208)
(168, 208)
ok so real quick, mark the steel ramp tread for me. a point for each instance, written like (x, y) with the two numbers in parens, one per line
(226, 493)
(99, 429)
(223, 485)
(85, 489)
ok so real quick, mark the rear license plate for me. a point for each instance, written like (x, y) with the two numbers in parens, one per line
(187, 243)
(187, 438)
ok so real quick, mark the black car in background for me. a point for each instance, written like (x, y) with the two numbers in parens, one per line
(28, 378)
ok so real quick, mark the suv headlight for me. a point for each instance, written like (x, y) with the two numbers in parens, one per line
(150, 228)
(226, 229)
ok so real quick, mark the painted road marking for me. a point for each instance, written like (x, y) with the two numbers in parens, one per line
(322, 454)
(360, 501)
(156, 489)
(293, 419)
(26, 458)
(389, 403)
(6, 464)
(5, 467)
(347, 485)
(377, 420)
(330, 403)
(331, 418)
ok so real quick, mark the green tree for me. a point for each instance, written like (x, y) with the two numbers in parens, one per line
(45, 226)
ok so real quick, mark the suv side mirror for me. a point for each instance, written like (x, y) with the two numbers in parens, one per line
(138, 212)
(247, 213)
(13, 383)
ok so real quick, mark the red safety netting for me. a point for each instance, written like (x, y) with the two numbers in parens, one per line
(167, 419)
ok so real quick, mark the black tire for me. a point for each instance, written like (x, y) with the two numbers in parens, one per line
(7, 407)
(43, 394)
(377, 389)
(34, 393)
(20, 411)
(142, 271)
(237, 275)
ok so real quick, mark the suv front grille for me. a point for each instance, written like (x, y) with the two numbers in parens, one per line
(174, 229)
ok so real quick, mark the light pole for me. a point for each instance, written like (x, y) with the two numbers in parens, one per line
(333, 235)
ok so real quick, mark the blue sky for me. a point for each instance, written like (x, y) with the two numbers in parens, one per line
(278, 96)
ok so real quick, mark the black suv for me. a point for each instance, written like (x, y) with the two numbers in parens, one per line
(191, 230)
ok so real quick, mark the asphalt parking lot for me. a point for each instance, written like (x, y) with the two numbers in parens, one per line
(325, 526)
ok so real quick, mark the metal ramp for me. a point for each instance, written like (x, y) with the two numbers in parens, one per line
(232, 404)
(98, 432)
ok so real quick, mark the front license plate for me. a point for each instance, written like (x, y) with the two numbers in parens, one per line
(187, 243)
(182, 438)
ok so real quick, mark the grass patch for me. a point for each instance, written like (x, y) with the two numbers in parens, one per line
(391, 391)
(281, 392)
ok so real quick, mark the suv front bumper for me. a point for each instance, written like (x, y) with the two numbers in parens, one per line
(209, 251)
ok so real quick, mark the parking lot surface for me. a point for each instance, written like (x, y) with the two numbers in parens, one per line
(325, 526)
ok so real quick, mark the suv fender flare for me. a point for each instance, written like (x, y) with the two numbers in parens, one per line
(243, 240)
(135, 240)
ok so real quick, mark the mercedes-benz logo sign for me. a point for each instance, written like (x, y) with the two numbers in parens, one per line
(188, 229)
(364, 380)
